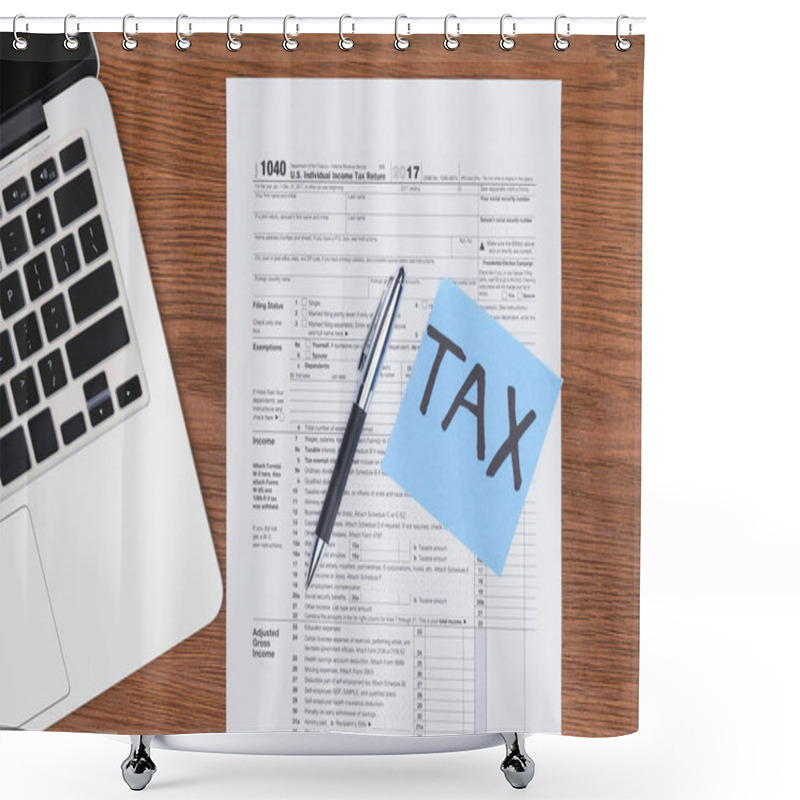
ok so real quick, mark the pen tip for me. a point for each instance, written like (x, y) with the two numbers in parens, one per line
(401, 274)
(313, 562)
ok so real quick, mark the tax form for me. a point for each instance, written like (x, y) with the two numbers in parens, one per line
(333, 184)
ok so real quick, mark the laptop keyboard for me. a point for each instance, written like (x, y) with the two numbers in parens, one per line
(70, 369)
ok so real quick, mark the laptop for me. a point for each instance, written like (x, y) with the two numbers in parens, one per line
(106, 556)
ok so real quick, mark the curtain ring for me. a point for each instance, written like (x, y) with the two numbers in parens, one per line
(400, 42)
(70, 42)
(20, 42)
(182, 43)
(622, 44)
(128, 42)
(560, 42)
(507, 42)
(451, 42)
(345, 42)
(289, 42)
(233, 44)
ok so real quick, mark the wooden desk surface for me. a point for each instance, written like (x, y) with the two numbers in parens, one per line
(170, 113)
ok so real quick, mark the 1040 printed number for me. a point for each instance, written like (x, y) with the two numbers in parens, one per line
(268, 169)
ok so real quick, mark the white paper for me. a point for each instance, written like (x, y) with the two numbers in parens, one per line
(332, 184)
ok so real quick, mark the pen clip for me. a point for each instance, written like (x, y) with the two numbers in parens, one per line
(369, 340)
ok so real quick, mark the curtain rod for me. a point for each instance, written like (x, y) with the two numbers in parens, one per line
(406, 26)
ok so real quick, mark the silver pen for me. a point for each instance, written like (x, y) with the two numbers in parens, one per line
(369, 367)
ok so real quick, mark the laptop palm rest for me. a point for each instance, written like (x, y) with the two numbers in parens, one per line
(32, 671)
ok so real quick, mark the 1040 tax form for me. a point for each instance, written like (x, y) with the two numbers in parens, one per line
(333, 184)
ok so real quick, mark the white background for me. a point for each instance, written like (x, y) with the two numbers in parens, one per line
(720, 612)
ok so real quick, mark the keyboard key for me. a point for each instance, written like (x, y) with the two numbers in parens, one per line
(44, 174)
(12, 239)
(52, 373)
(14, 458)
(5, 408)
(6, 353)
(65, 257)
(11, 298)
(37, 276)
(93, 239)
(101, 411)
(72, 155)
(98, 399)
(15, 194)
(73, 428)
(54, 317)
(26, 332)
(91, 293)
(43, 435)
(129, 391)
(75, 198)
(97, 342)
(23, 387)
(96, 386)
(40, 221)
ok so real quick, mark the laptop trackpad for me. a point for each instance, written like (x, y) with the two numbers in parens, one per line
(32, 672)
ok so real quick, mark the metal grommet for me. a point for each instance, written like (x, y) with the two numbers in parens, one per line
(345, 42)
(233, 44)
(507, 42)
(451, 42)
(560, 42)
(400, 42)
(20, 42)
(128, 42)
(70, 42)
(622, 44)
(182, 42)
(290, 43)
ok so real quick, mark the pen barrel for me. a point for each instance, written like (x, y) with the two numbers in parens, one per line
(341, 472)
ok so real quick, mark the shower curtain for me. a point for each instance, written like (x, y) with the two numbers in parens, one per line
(195, 243)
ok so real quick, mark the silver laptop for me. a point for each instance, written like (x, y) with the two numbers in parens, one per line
(106, 557)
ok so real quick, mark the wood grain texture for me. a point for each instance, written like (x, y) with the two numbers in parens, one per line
(170, 112)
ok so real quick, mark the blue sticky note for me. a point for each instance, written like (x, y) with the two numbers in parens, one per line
(477, 401)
